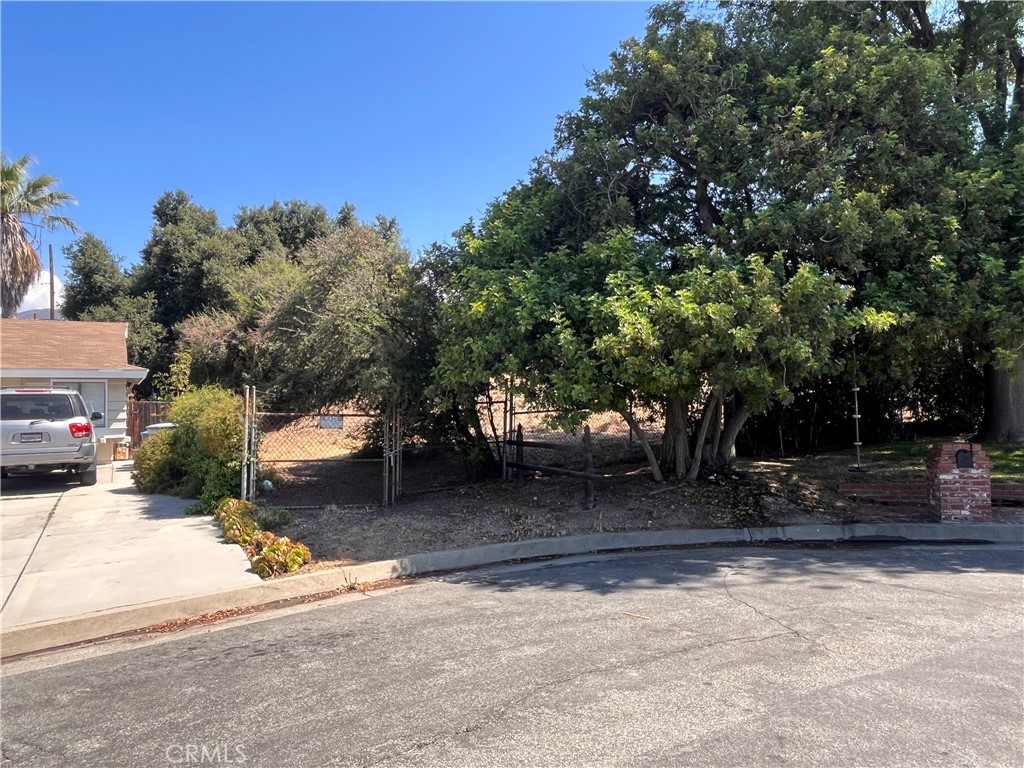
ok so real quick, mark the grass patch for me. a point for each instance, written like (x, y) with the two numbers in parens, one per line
(1007, 462)
(815, 480)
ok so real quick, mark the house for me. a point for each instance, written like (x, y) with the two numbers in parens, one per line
(90, 357)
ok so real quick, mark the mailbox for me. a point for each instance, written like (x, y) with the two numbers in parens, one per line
(965, 459)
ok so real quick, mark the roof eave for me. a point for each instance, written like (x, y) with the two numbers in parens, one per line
(131, 373)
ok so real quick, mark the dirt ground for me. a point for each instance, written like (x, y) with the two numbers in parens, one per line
(337, 514)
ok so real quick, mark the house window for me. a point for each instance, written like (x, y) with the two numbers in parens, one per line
(94, 393)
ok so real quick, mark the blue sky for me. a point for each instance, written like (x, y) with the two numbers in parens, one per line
(422, 111)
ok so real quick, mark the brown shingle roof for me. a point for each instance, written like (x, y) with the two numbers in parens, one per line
(64, 344)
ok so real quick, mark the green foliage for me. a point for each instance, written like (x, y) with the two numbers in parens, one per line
(740, 204)
(242, 521)
(26, 203)
(279, 555)
(144, 333)
(177, 380)
(239, 528)
(94, 277)
(282, 227)
(341, 335)
(157, 466)
(201, 457)
(209, 439)
(185, 259)
(269, 518)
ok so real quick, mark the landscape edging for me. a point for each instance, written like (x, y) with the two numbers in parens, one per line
(41, 636)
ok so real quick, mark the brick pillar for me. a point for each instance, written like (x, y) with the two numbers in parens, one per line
(960, 494)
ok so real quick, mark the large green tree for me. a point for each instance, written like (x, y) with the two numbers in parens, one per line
(742, 204)
(28, 204)
(861, 138)
(97, 288)
(187, 259)
(282, 226)
(621, 320)
(186, 267)
(342, 326)
(94, 276)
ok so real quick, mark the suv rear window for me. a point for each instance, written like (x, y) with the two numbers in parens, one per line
(24, 405)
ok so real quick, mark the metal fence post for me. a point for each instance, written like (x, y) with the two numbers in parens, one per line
(588, 467)
(245, 445)
(520, 472)
(254, 438)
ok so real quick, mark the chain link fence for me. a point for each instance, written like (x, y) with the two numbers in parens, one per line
(315, 459)
(344, 457)
(288, 438)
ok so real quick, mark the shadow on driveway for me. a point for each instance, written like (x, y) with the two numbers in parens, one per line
(33, 485)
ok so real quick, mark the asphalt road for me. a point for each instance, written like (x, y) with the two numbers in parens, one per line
(908, 656)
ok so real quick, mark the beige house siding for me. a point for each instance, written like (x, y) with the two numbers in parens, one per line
(36, 353)
(116, 413)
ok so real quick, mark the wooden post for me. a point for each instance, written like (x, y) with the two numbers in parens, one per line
(520, 472)
(588, 466)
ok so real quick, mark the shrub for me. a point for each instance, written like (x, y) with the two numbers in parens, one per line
(270, 518)
(157, 467)
(202, 457)
(233, 506)
(279, 555)
(268, 553)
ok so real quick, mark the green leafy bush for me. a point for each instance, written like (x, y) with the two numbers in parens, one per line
(202, 457)
(270, 518)
(157, 467)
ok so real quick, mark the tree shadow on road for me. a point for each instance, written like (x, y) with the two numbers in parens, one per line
(818, 567)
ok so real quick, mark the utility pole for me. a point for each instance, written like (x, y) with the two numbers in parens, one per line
(52, 308)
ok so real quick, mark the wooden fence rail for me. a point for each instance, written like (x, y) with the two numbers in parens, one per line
(587, 475)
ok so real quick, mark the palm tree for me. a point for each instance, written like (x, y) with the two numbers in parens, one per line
(26, 206)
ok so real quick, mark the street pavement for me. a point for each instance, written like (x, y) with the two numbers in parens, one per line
(70, 550)
(770, 656)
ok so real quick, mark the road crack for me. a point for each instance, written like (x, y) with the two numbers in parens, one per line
(498, 712)
(765, 615)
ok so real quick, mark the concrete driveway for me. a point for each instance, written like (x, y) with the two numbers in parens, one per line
(69, 550)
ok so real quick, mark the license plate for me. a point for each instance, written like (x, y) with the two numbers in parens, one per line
(31, 437)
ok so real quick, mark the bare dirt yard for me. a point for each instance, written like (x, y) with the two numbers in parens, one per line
(335, 505)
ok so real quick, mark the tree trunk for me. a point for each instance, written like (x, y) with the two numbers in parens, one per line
(710, 408)
(1004, 404)
(644, 443)
(675, 450)
(719, 423)
(734, 422)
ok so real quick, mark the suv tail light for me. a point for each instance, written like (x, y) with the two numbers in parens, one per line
(80, 430)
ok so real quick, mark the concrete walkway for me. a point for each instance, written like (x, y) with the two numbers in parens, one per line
(69, 550)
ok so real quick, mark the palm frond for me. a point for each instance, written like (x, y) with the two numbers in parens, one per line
(23, 201)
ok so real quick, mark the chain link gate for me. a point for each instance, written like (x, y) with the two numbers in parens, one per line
(392, 455)
(323, 456)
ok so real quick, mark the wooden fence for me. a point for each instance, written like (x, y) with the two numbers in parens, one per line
(142, 413)
(587, 475)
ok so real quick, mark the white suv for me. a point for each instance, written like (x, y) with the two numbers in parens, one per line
(43, 429)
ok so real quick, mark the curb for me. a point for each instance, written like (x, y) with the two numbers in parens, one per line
(48, 635)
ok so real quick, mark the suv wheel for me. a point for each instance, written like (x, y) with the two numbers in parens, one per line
(88, 476)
